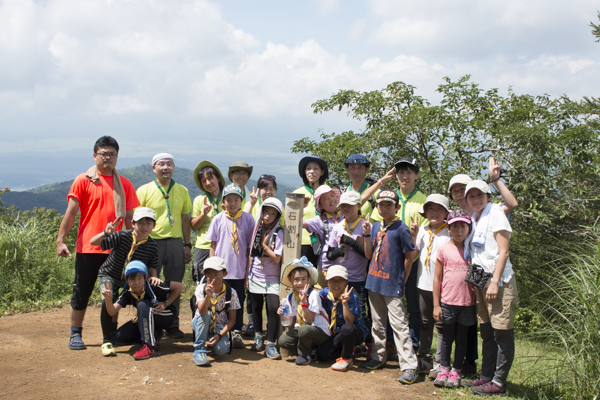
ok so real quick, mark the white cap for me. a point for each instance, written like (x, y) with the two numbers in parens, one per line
(460, 178)
(352, 198)
(337, 270)
(481, 185)
(216, 263)
(144, 212)
(435, 199)
(162, 156)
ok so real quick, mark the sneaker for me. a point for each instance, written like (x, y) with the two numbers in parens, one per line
(108, 350)
(342, 364)
(453, 380)
(442, 377)
(156, 349)
(408, 377)
(424, 364)
(303, 360)
(368, 348)
(249, 331)
(490, 389)
(469, 369)
(175, 332)
(238, 342)
(434, 371)
(200, 358)
(144, 353)
(258, 344)
(374, 364)
(477, 382)
(76, 342)
(271, 351)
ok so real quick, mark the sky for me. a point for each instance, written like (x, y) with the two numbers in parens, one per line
(235, 80)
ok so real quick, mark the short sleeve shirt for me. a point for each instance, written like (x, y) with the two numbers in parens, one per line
(263, 269)
(352, 304)
(315, 305)
(455, 290)
(354, 262)
(425, 275)
(309, 212)
(316, 225)
(201, 241)
(386, 275)
(222, 318)
(97, 208)
(179, 204)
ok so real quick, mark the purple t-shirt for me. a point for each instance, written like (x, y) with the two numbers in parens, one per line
(267, 271)
(455, 290)
(354, 262)
(219, 231)
(315, 224)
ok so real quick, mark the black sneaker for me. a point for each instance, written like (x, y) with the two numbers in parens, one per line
(175, 332)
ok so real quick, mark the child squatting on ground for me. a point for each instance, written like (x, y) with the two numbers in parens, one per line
(154, 309)
(217, 304)
(312, 323)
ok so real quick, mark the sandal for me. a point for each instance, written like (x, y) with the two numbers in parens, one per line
(76, 342)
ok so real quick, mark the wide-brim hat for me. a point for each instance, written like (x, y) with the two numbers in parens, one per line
(313, 275)
(239, 165)
(478, 184)
(435, 199)
(304, 162)
(203, 164)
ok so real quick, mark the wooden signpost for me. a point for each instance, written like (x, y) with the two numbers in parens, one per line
(292, 240)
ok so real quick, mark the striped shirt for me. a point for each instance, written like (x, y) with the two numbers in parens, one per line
(120, 243)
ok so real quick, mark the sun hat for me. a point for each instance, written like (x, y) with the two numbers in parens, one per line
(215, 263)
(337, 270)
(199, 167)
(321, 190)
(304, 162)
(134, 267)
(143, 212)
(302, 262)
(239, 165)
(459, 215)
(232, 188)
(478, 184)
(435, 199)
(388, 195)
(407, 160)
(350, 197)
(357, 159)
(162, 156)
(460, 178)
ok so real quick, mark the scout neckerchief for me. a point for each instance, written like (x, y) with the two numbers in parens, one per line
(138, 298)
(312, 193)
(134, 247)
(213, 310)
(215, 203)
(404, 201)
(235, 243)
(380, 235)
(430, 243)
(362, 188)
(335, 217)
(354, 224)
(300, 318)
(334, 311)
(166, 196)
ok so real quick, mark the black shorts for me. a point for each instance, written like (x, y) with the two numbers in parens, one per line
(86, 273)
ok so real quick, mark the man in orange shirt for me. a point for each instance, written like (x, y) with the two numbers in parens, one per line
(102, 196)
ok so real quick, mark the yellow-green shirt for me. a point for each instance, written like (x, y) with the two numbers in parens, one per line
(412, 208)
(309, 212)
(179, 203)
(201, 241)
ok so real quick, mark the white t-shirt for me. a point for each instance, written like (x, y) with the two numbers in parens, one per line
(314, 305)
(222, 318)
(425, 277)
(487, 255)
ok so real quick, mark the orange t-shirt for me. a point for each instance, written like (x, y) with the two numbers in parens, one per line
(97, 207)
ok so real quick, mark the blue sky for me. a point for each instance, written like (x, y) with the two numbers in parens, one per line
(234, 80)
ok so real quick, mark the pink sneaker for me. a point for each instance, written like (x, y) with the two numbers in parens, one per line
(442, 377)
(453, 380)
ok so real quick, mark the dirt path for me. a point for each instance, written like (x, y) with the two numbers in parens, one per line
(35, 362)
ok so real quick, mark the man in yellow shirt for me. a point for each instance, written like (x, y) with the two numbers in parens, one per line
(172, 204)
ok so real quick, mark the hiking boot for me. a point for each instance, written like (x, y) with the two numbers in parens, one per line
(424, 364)
(200, 357)
(108, 350)
(490, 389)
(408, 377)
(477, 382)
(258, 344)
(175, 332)
(76, 342)
(453, 380)
(144, 353)
(271, 351)
(248, 330)
(434, 371)
(238, 342)
(342, 364)
(442, 377)
(303, 360)
(373, 364)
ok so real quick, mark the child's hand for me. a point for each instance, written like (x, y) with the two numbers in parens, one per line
(346, 295)
(414, 227)
(210, 290)
(495, 169)
(106, 291)
(437, 313)
(367, 225)
(265, 241)
(206, 207)
(280, 311)
(304, 294)
(111, 226)
(154, 281)
(159, 307)
(253, 196)
(213, 341)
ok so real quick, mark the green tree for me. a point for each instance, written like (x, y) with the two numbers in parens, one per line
(596, 29)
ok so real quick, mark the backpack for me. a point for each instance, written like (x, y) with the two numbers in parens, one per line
(314, 238)
(194, 307)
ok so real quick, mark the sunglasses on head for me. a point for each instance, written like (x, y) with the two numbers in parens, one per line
(268, 177)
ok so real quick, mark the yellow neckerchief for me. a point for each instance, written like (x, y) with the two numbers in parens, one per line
(332, 217)
(299, 307)
(334, 311)
(380, 235)
(138, 298)
(430, 243)
(354, 224)
(213, 309)
(235, 244)
(134, 247)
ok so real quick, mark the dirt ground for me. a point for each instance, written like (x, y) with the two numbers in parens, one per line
(35, 362)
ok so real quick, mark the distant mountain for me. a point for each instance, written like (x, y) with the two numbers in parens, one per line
(55, 195)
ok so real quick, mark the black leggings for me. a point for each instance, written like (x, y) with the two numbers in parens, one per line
(272, 317)
(454, 332)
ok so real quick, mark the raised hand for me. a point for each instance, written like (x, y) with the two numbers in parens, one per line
(414, 227)
(111, 226)
(367, 225)
(254, 196)
(106, 291)
(389, 175)
(495, 169)
(206, 207)
(306, 201)
(346, 295)
(209, 287)
(304, 294)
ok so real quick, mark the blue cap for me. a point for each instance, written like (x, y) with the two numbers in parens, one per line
(134, 267)
(357, 159)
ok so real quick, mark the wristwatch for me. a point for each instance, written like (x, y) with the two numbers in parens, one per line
(188, 245)
(167, 303)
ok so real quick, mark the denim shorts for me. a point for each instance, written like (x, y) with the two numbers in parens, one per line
(464, 315)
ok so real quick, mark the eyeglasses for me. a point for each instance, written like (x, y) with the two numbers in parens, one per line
(268, 177)
(165, 163)
(240, 171)
(108, 154)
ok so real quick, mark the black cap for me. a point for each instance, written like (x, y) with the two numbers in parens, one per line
(407, 160)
